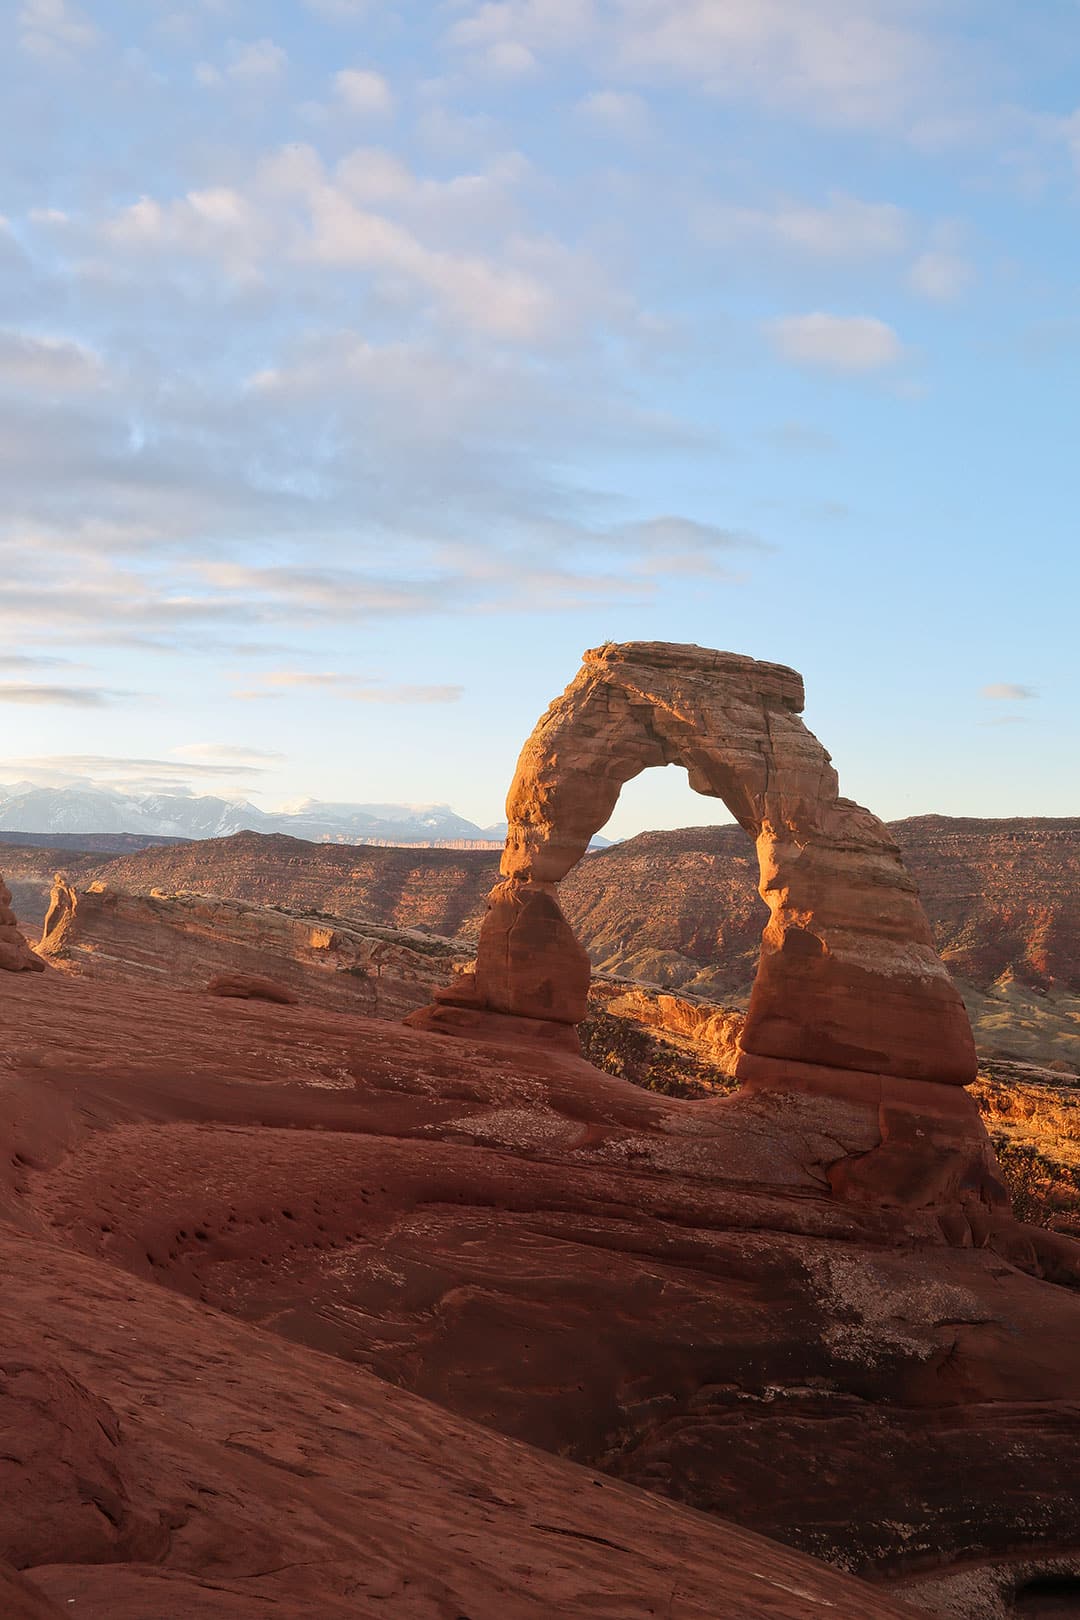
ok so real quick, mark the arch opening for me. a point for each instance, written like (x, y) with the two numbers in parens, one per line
(661, 799)
(675, 906)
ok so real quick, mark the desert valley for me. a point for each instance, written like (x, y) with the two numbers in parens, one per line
(341, 1283)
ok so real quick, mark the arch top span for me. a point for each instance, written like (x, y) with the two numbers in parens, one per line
(774, 682)
(639, 704)
(849, 979)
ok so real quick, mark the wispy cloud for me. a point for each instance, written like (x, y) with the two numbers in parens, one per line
(254, 63)
(618, 113)
(57, 769)
(364, 92)
(31, 661)
(53, 30)
(47, 363)
(351, 687)
(801, 437)
(1008, 692)
(672, 544)
(856, 63)
(851, 343)
(216, 758)
(72, 697)
(843, 228)
(294, 209)
(941, 275)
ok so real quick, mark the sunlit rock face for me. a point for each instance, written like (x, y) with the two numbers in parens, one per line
(849, 977)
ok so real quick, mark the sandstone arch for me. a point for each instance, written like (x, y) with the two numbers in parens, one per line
(849, 979)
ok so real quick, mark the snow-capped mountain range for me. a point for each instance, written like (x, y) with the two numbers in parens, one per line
(93, 809)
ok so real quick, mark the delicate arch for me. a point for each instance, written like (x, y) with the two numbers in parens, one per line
(848, 977)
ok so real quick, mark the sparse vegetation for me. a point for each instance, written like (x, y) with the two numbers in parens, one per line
(623, 1048)
(1043, 1193)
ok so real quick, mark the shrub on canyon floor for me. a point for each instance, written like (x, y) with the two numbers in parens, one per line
(621, 1047)
(1043, 1192)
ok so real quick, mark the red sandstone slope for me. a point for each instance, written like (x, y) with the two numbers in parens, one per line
(185, 940)
(667, 1292)
(159, 1461)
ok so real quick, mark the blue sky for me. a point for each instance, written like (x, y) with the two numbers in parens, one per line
(362, 362)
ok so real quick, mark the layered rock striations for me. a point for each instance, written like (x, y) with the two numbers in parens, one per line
(438, 889)
(676, 908)
(198, 942)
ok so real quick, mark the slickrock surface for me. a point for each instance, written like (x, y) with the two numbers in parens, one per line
(251, 987)
(237, 1246)
(15, 954)
(188, 940)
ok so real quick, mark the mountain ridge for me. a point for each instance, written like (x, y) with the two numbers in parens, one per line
(89, 808)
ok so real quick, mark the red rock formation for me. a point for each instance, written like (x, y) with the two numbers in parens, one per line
(15, 954)
(214, 1230)
(188, 938)
(677, 908)
(848, 976)
(850, 1000)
